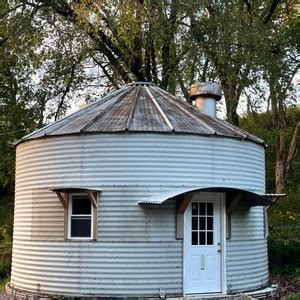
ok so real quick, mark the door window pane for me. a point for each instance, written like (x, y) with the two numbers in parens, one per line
(202, 208)
(194, 237)
(202, 223)
(194, 223)
(209, 209)
(202, 238)
(209, 223)
(210, 238)
(194, 208)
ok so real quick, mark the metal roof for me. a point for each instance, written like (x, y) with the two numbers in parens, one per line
(141, 107)
(248, 197)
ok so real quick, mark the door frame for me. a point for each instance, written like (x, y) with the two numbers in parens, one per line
(222, 197)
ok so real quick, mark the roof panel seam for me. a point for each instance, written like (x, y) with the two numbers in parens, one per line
(160, 109)
(186, 111)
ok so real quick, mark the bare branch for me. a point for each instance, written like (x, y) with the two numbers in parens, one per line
(66, 91)
(11, 10)
(271, 11)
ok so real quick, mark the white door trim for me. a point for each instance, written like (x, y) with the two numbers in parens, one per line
(222, 238)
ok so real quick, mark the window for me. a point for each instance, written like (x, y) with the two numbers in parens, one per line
(80, 217)
(202, 223)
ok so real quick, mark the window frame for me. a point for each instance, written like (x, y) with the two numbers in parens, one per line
(69, 218)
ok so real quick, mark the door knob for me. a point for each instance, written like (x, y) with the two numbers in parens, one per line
(219, 251)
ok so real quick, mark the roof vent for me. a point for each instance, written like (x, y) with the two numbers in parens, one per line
(205, 95)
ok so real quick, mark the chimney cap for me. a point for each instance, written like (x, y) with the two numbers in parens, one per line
(208, 89)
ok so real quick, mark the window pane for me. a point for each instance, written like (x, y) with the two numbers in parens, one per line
(209, 223)
(210, 238)
(81, 227)
(202, 238)
(202, 223)
(195, 223)
(194, 208)
(202, 209)
(81, 205)
(210, 209)
(195, 238)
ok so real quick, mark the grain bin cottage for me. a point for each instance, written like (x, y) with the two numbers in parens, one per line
(140, 194)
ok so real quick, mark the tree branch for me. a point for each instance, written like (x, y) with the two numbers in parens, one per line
(11, 10)
(66, 91)
(109, 77)
(271, 11)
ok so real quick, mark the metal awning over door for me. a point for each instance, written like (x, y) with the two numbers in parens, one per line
(249, 197)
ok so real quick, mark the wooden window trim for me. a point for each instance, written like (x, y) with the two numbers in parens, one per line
(266, 223)
(64, 198)
(231, 204)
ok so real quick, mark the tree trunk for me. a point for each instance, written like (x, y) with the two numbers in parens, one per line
(280, 163)
(231, 101)
(292, 150)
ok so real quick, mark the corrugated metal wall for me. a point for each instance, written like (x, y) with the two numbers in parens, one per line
(247, 255)
(137, 252)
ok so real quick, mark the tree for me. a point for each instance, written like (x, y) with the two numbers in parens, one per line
(279, 69)
(228, 32)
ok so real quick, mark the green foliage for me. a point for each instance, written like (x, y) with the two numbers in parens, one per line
(294, 297)
(284, 217)
(284, 256)
(55, 52)
(261, 125)
(5, 267)
(3, 282)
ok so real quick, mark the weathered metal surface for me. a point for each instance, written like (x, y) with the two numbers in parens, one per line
(141, 107)
(249, 198)
(95, 268)
(212, 89)
(137, 251)
(247, 264)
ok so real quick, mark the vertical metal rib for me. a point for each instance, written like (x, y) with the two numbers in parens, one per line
(159, 109)
(170, 97)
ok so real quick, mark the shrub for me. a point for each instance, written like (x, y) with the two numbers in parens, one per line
(284, 256)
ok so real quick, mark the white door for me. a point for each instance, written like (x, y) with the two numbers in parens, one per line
(202, 245)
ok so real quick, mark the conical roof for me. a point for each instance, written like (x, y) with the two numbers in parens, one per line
(141, 107)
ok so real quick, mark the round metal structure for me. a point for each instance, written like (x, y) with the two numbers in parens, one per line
(135, 143)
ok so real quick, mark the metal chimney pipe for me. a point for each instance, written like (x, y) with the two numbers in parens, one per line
(205, 95)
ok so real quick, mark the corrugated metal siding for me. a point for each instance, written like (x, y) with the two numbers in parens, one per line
(134, 159)
(247, 264)
(94, 268)
(127, 168)
(247, 223)
(47, 216)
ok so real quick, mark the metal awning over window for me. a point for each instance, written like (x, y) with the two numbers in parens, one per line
(91, 193)
(251, 198)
